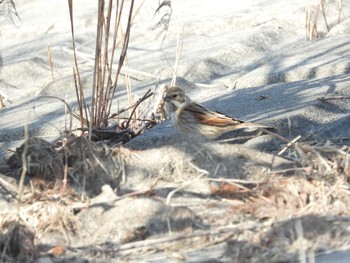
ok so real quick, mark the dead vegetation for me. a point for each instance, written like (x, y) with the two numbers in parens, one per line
(87, 165)
(268, 214)
(112, 36)
(313, 11)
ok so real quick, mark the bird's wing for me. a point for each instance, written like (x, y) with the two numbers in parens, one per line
(208, 117)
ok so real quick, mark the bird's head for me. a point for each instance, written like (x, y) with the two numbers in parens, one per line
(174, 95)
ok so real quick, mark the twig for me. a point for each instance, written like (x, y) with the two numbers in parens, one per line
(24, 164)
(335, 98)
(300, 238)
(99, 69)
(9, 187)
(121, 59)
(147, 95)
(170, 195)
(177, 59)
(49, 57)
(237, 139)
(276, 135)
(312, 134)
(212, 232)
(65, 174)
(324, 14)
(314, 32)
(291, 143)
(69, 109)
(145, 125)
(2, 105)
(76, 72)
(340, 10)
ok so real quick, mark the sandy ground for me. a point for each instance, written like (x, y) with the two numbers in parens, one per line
(248, 59)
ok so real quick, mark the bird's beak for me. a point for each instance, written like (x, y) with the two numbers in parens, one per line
(166, 98)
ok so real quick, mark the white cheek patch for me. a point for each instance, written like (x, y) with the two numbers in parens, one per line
(177, 104)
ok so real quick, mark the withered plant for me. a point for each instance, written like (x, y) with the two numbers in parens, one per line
(110, 35)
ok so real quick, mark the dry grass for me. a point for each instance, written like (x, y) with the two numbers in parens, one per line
(87, 166)
(285, 216)
(109, 37)
(112, 36)
(312, 12)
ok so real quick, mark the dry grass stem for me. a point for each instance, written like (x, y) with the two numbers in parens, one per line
(177, 58)
(2, 104)
(71, 114)
(24, 163)
(212, 232)
(183, 186)
(49, 58)
(290, 144)
(76, 73)
(300, 240)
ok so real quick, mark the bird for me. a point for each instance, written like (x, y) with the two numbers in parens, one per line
(191, 118)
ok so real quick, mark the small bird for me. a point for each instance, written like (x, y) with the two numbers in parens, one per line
(192, 118)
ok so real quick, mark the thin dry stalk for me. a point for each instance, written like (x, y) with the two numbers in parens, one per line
(24, 164)
(300, 236)
(147, 95)
(65, 175)
(324, 14)
(118, 13)
(314, 33)
(335, 98)
(105, 80)
(290, 144)
(97, 83)
(76, 73)
(71, 114)
(2, 105)
(177, 59)
(49, 58)
(212, 232)
(340, 10)
(307, 18)
(311, 24)
(127, 83)
(125, 44)
(186, 184)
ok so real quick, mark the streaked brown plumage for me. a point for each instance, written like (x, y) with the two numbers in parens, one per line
(192, 118)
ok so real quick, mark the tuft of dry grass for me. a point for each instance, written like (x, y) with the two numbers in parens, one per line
(109, 36)
(78, 166)
(114, 21)
(312, 16)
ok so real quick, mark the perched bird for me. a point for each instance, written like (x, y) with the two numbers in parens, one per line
(192, 118)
